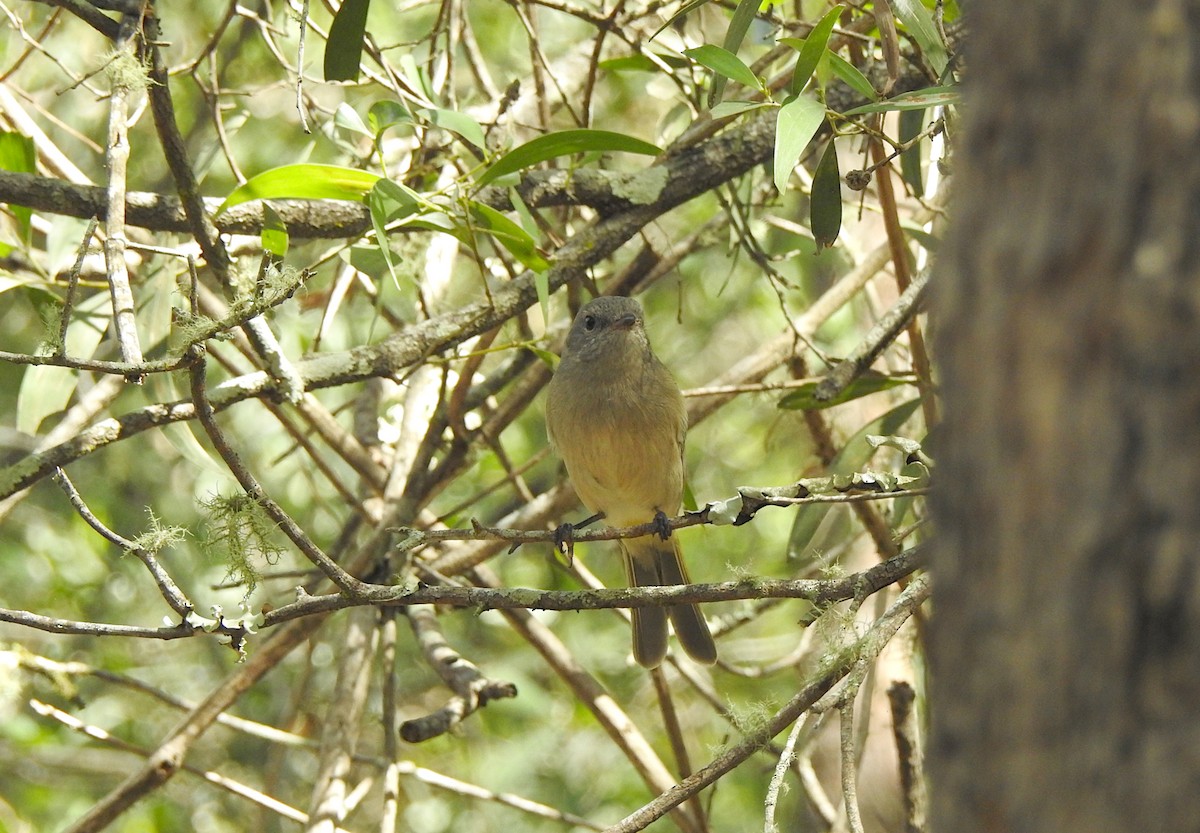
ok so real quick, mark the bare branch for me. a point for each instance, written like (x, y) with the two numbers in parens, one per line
(818, 591)
(872, 642)
(471, 689)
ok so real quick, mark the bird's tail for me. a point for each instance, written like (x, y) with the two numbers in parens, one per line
(649, 562)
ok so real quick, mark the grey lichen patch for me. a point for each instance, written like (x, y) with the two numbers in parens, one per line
(525, 597)
(642, 188)
(126, 72)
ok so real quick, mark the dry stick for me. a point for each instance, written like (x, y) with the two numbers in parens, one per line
(199, 223)
(876, 340)
(683, 764)
(292, 740)
(317, 416)
(165, 761)
(73, 287)
(389, 817)
(781, 348)
(849, 767)
(237, 788)
(339, 735)
(781, 769)
(117, 159)
(207, 416)
(900, 255)
(591, 693)
(869, 646)
(818, 591)
(472, 690)
(906, 730)
(166, 585)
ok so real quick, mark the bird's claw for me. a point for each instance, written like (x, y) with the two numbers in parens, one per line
(564, 541)
(662, 525)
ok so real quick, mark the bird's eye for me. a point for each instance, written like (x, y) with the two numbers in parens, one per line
(589, 322)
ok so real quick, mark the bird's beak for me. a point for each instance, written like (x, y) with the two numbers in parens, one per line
(625, 322)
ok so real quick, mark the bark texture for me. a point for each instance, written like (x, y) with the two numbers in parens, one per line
(1066, 649)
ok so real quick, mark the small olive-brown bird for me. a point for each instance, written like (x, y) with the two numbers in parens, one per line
(616, 417)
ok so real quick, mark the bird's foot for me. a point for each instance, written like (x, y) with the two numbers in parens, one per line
(564, 541)
(662, 525)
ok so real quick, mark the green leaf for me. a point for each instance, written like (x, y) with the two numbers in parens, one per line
(811, 48)
(459, 123)
(343, 51)
(799, 119)
(723, 62)
(684, 10)
(743, 16)
(924, 238)
(510, 235)
(825, 207)
(735, 108)
(385, 114)
(804, 397)
(347, 118)
(274, 232)
(919, 23)
(17, 154)
(850, 74)
(641, 63)
(564, 143)
(916, 100)
(389, 201)
(304, 182)
(912, 122)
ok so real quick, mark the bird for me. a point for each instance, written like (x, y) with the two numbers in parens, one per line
(615, 416)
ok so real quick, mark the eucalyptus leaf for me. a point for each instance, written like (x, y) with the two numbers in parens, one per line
(851, 75)
(919, 22)
(456, 122)
(510, 235)
(804, 397)
(274, 233)
(811, 48)
(304, 182)
(911, 124)
(343, 50)
(743, 16)
(799, 119)
(723, 62)
(917, 100)
(565, 143)
(825, 207)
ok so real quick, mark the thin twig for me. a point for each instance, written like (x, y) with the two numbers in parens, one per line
(166, 585)
(472, 690)
(117, 159)
(222, 781)
(818, 591)
(880, 336)
(72, 289)
(207, 417)
(781, 769)
(592, 695)
(870, 645)
(849, 765)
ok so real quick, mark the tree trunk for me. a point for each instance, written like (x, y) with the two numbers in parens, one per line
(1066, 646)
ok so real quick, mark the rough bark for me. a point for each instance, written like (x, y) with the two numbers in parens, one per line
(1066, 649)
